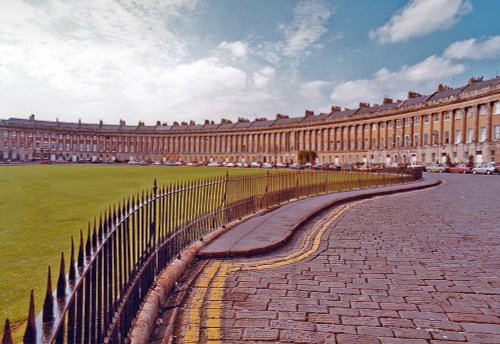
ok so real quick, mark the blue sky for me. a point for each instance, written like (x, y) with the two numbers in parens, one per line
(180, 60)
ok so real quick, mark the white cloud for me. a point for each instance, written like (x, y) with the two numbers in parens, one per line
(419, 18)
(423, 76)
(474, 50)
(314, 89)
(309, 24)
(108, 59)
(238, 48)
(263, 77)
(300, 36)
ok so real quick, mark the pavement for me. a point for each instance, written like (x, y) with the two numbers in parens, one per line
(266, 232)
(409, 268)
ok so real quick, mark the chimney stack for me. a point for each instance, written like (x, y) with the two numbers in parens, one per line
(412, 95)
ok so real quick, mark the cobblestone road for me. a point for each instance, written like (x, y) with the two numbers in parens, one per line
(420, 267)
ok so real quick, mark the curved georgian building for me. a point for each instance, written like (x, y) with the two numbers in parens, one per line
(462, 122)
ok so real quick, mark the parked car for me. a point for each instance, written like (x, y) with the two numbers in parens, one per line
(319, 167)
(133, 162)
(484, 169)
(460, 168)
(267, 165)
(230, 164)
(440, 168)
(214, 164)
(348, 167)
(178, 163)
(157, 163)
(307, 165)
(168, 163)
(296, 166)
(255, 164)
(334, 167)
(280, 165)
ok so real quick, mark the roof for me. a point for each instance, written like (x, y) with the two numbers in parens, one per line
(473, 86)
(414, 101)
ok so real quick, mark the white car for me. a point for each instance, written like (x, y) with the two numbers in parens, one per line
(229, 164)
(484, 169)
(254, 164)
(214, 164)
(267, 165)
(280, 165)
(156, 163)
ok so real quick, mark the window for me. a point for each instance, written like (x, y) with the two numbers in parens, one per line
(389, 125)
(13, 134)
(374, 126)
(30, 134)
(415, 139)
(374, 143)
(458, 136)
(53, 135)
(5, 133)
(407, 122)
(381, 143)
(407, 140)
(497, 132)
(483, 109)
(426, 139)
(458, 114)
(447, 116)
(436, 117)
(470, 134)
(496, 110)
(470, 112)
(426, 119)
(482, 134)
(398, 141)
(68, 146)
(60, 146)
(446, 137)
(416, 120)
(398, 123)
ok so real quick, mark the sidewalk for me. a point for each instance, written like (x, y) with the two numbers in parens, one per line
(264, 233)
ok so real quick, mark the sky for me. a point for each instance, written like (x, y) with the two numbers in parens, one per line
(181, 60)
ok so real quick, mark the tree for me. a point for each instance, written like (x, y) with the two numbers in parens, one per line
(307, 156)
(448, 162)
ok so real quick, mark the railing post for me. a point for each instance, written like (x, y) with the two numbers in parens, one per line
(30, 333)
(7, 336)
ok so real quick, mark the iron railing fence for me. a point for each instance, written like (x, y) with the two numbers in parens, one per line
(127, 247)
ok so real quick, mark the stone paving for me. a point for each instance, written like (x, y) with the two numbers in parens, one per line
(421, 267)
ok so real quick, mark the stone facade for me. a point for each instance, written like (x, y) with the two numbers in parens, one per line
(462, 122)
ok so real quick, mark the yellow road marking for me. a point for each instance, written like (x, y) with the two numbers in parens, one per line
(214, 278)
(192, 316)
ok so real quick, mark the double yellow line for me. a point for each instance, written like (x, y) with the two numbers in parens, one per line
(205, 300)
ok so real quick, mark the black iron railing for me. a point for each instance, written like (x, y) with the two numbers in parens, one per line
(115, 265)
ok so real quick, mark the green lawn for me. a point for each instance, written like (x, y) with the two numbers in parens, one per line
(42, 206)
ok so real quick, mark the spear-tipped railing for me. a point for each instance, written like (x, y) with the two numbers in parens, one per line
(96, 299)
